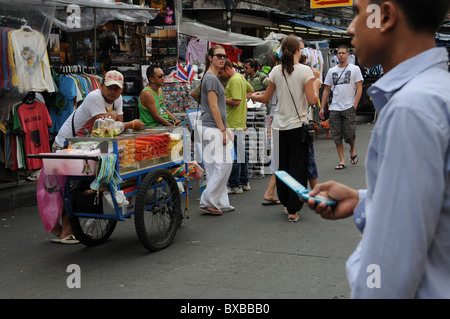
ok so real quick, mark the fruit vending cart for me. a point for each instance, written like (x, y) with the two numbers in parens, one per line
(110, 179)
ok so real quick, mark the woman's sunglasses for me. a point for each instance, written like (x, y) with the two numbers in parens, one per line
(221, 56)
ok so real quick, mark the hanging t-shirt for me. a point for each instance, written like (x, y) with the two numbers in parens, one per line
(18, 133)
(31, 61)
(35, 122)
(234, 54)
(196, 50)
(67, 95)
(334, 61)
(6, 72)
(352, 59)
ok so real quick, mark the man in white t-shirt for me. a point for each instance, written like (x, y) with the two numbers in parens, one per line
(106, 101)
(103, 102)
(345, 81)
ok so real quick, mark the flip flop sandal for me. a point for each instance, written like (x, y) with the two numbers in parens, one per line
(354, 158)
(69, 240)
(268, 202)
(340, 166)
(210, 210)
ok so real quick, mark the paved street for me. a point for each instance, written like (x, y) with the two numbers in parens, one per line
(253, 252)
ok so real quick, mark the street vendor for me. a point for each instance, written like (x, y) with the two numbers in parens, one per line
(101, 103)
(152, 108)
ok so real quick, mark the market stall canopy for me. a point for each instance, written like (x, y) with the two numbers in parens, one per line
(318, 26)
(204, 32)
(275, 36)
(97, 12)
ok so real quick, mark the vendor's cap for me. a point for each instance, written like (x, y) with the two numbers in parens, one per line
(114, 78)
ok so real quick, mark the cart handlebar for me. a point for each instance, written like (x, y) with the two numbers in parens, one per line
(83, 157)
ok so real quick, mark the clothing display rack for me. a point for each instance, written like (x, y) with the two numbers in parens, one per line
(12, 22)
(21, 81)
(68, 69)
(8, 177)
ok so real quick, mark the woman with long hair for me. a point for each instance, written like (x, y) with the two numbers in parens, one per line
(296, 87)
(215, 136)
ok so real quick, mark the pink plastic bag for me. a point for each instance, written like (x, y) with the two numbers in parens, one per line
(195, 170)
(49, 199)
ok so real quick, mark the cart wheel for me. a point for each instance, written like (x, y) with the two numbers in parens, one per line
(157, 214)
(92, 231)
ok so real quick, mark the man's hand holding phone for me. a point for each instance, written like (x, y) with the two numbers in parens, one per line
(346, 197)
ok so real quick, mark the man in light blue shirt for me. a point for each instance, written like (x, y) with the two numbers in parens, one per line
(405, 212)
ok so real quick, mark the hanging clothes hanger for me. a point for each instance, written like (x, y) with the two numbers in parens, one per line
(12, 22)
(25, 27)
(30, 98)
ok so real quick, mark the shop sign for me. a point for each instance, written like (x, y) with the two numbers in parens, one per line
(316, 4)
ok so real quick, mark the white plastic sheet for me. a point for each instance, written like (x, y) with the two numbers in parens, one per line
(97, 13)
(208, 33)
(32, 44)
(32, 15)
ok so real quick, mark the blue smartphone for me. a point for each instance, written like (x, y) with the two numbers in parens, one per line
(301, 190)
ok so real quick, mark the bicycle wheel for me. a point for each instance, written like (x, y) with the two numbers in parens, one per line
(157, 214)
(92, 231)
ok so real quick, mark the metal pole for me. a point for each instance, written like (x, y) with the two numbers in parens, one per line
(95, 40)
(178, 19)
(228, 10)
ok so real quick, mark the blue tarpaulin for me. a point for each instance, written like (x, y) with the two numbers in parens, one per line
(318, 26)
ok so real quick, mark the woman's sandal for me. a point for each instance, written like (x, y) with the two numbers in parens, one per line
(66, 240)
(341, 166)
(293, 218)
(268, 202)
(210, 210)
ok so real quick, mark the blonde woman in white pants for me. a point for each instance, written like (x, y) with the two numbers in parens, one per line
(215, 136)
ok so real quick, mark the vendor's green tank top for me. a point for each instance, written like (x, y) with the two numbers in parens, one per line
(144, 114)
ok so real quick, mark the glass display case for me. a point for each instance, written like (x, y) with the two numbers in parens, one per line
(136, 150)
